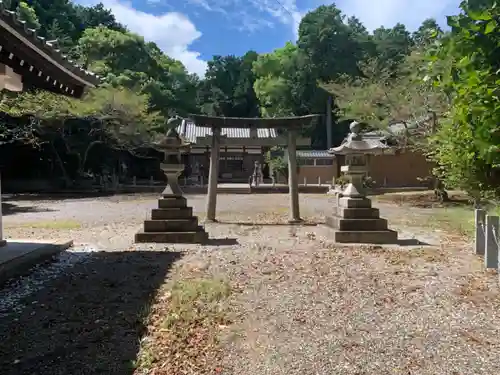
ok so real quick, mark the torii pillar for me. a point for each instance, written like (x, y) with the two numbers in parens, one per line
(213, 175)
(293, 181)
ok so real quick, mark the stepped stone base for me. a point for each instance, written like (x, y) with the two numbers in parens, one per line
(356, 221)
(172, 222)
(367, 237)
(171, 237)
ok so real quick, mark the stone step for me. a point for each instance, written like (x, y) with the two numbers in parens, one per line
(172, 202)
(367, 237)
(356, 224)
(355, 202)
(198, 236)
(171, 225)
(356, 213)
(171, 213)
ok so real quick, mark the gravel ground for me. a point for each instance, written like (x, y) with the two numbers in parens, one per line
(304, 305)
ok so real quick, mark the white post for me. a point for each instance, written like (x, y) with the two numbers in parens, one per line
(305, 181)
(480, 229)
(319, 180)
(2, 241)
(491, 251)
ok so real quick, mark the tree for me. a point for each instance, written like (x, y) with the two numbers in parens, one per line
(379, 98)
(245, 99)
(227, 89)
(466, 144)
(98, 16)
(27, 14)
(427, 32)
(331, 45)
(110, 117)
(125, 59)
(392, 45)
(272, 85)
(361, 35)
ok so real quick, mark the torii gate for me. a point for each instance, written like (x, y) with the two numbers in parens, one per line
(289, 124)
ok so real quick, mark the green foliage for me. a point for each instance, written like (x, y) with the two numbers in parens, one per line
(330, 43)
(125, 114)
(125, 59)
(380, 77)
(380, 97)
(27, 14)
(392, 45)
(466, 145)
(276, 161)
(427, 33)
(286, 83)
(227, 89)
(41, 104)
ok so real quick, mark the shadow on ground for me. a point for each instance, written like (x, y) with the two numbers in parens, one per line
(412, 242)
(221, 242)
(256, 223)
(13, 209)
(57, 195)
(87, 321)
(21, 197)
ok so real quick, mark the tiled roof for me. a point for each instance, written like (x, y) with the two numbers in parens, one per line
(365, 145)
(10, 18)
(190, 131)
(313, 154)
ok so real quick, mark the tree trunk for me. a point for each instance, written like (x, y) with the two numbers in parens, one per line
(85, 156)
(60, 163)
(439, 191)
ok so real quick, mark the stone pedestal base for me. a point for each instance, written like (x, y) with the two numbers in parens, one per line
(356, 221)
(172, 222)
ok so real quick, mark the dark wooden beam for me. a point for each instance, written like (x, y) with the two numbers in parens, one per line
(34, 78)
(27, 62)
(243, 122)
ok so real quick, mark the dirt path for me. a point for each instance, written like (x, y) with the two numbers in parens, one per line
(300, 304)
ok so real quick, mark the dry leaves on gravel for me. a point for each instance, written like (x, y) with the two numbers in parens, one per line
(183, 330)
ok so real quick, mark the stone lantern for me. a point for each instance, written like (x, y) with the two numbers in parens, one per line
(173, 220)
(354, 218)
(172, 146)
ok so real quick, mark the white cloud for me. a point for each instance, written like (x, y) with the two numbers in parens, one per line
(172, 32)
(387, 13)
(253, 14)
(284, 11)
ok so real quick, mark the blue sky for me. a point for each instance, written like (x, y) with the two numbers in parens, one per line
(195, 30)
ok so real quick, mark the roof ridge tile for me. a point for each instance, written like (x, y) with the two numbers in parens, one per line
(41, 42)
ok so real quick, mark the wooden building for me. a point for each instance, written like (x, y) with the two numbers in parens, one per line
(399, 166)
(240, 149)
(316, 166)
(28, 61)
